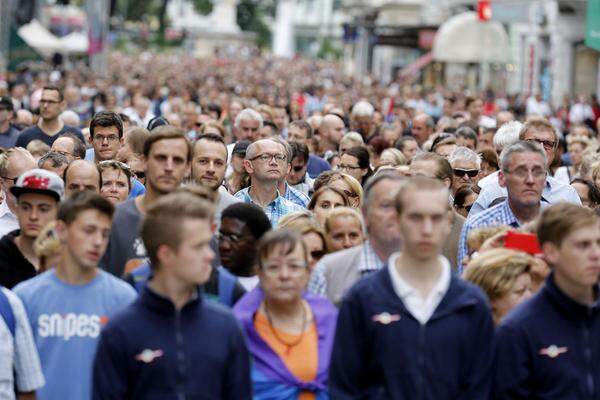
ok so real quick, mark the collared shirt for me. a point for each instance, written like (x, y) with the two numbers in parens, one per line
(275, 210)
(421, 308)
(296, 196)
(368, 262)
(554, 192)
(306, 186)
(8, 220)
(18, 354)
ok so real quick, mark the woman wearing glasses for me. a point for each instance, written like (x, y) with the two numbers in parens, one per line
(356, 162)
(289, 332)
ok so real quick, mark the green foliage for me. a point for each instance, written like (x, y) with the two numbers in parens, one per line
(203, 7)
(250, 18)
(329, 51)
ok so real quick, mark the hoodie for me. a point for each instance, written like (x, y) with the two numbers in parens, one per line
(14, 267)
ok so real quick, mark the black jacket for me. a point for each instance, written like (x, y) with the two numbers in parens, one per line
(14, 267)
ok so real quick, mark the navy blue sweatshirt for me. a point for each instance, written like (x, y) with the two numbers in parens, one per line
(150, 350)
(549, 348)
(382, 352)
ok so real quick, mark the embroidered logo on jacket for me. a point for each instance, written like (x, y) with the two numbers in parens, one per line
(553, 351)
(386, 318)
(147, 355)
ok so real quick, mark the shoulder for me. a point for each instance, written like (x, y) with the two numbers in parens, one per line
(72, 129)
(31, 286)
(220, 317)
(126, 208)
(484, 217)
(241, 194)
(345, 255)
(118, 287)
(14, 301)
(31, 131)
(525, 313)
(469, 290)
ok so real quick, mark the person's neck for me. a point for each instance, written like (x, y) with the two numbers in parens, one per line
(422, 274)
(263, 194)
(70, 272)
(247, 271)
(51, 126)
(582, 294)
(384, 250)
(25, 245)
(178, 292)
(281, 186)
(524, 213)
(146, 200)
(4, 126)
(326, 146)
(285, 312)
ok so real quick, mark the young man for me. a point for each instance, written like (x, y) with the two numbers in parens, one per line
(106, 134)
(407, 331)
(50, 126)
(68, 305)
(38, 193)
(167, 156)
(547, 347)
(171, 343)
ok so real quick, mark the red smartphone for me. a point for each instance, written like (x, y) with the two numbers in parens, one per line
(526, 242)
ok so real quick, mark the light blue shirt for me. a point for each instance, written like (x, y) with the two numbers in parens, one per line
(66, 321)
(275, 210)
(554, 192)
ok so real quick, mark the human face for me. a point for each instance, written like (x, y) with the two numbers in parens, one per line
(462, 171)
(271, 169)
(296, 134)
(237, 245)
(576, 153)
(280, 118)
(86, 238)
(546, 139)
(524, 180)
(249, 129)
(326, 202)
(283, 277)
(47, 165)
(468, 143)
(485, 140)
(297, 171)
(466, 207)
(237, 163)
(584, 193)
(349, 165)
(424, 222)
(209, 163)
(345, 232)
(106, 142)
(409, 149)
(336, 130)
(363, 125)
(475, 109)
(80, 177)
(486, 169)
(519, 292)
(191, 262)
(64, 146)
(115, 187)
(445, 150)
(50, 105)
(380, 216)
(315, 246)
(345, 188)
(166, 165)
(576, 262)
(137, 169)
(34, 212)
(420, 130)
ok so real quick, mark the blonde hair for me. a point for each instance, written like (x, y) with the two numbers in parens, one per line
(582, 140)
(295, 219)
(397, 156)
(46, 245)
(341, 212)
(478, 236)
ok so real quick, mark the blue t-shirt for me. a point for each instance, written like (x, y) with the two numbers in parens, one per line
(66, 321)
(316, 165)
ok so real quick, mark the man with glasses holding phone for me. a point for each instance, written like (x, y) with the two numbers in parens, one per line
(540, 131)
(263, 162)
(50, 126)
(523, 174)
(466, 165)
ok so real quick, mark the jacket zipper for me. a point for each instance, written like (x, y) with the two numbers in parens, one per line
(181, 369)
(588, 355)
(421, 361)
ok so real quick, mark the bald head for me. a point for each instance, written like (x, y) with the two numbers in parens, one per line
(332, 128)
(19, 161)
(82, 175)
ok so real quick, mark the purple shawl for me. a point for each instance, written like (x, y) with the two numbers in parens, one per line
(267, 361)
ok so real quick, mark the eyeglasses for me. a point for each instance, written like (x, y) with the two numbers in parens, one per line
(199, 124)
(471, 173)
(467, 208)
(350, 194)
(139, 174)
(109, 138)
(548, 144)
(523, 173)
(298, 168)
(348, 167)
(231, 237)
(294, 269)
(42, 101)
(268, 157)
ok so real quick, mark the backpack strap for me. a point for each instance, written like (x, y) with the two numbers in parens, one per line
(226, 286)
(6, 312)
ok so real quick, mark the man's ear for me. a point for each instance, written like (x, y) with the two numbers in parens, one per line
(61, 231)
(447, 182)
(501, 178)
(551, 252)
(164, 254)
(248, 166)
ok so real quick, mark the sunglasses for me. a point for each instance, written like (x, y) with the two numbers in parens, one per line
(472, 173)
(298, 168)
(467, 208)
(139, 174)
(317, 254)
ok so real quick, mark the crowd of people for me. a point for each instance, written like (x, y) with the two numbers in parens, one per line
(247, 227)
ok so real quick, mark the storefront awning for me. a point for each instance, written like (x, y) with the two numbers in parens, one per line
(465, 39)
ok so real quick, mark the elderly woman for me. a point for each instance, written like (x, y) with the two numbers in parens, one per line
(289, 332)
(504, 275)
(344, 228)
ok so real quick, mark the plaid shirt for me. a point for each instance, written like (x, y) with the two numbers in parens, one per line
(296, 196)
(500, 214)
(18, 352)
(368, 262)
(275, 209)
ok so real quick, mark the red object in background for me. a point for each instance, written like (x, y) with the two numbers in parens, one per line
(526, 242)
(484, 10)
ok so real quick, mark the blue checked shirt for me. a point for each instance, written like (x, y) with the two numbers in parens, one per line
(296, 196)
(275, 210)
(369, 262)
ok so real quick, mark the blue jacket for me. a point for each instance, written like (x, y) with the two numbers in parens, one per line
(150, 350)
(382, 352)
(549, 348)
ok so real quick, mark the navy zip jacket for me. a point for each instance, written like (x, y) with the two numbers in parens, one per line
(549, 348)
(150, 350)
(382, 352)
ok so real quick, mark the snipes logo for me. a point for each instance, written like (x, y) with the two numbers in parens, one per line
(70, 325)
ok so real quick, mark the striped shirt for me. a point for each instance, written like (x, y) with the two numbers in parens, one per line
(275, 210)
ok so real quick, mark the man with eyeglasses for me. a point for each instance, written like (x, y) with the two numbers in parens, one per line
(286, 190)
(263, 162)
(466, 165)
(523, 174)
(106, 135)
(540, 131)
(70, 146)
(8, 133)
(50, 126)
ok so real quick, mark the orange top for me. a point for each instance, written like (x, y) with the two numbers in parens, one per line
(301, 360)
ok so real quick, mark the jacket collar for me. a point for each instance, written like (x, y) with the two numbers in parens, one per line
(565, 305)
(152, 300)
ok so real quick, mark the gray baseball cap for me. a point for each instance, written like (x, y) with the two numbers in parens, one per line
(39, 181)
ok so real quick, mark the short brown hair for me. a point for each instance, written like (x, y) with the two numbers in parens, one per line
(539, 124)
(135, 138)
(418, 183)
(164, 220)
(165, 132)
(287, 238)
(315, 197)
(55, 89)
(106, 119)
(559, 220)
(70, 208)
(443, 170)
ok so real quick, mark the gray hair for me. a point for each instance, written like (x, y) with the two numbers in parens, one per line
(465, 154)
(353, 137)
(57, 159)
(286, 145)
(253, 147)
(521, 146)
(248, 113)
(373, 181)
(507, 134)
(363, 109)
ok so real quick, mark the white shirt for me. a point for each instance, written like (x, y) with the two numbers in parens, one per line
(420, 308)
(8, 220)
(248, 282)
